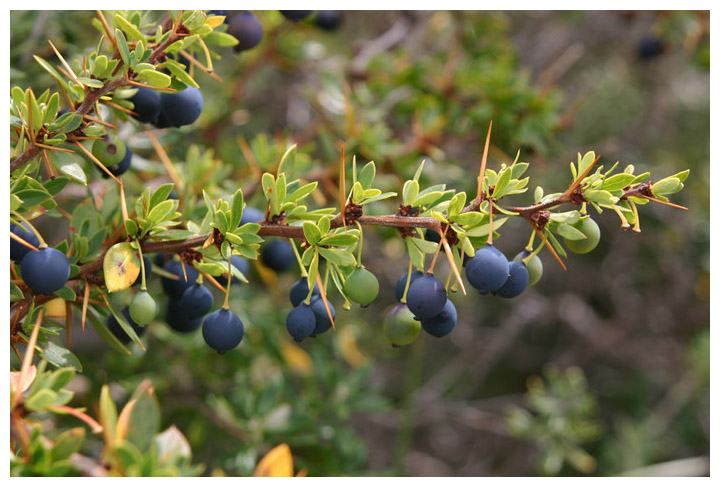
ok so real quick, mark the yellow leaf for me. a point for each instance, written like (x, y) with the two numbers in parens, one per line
(121, 266)
(348, 347)
(215, 21)
(55, 308)
(297, 359)
(277, 463)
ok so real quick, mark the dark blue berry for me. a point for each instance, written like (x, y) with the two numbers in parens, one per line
(301, 322)
(148, 269)
(159, 259)
(179, 321)
(426, 297)
(278, 255)
(516, 282)
(117, 330)
(400, 285)
(251, 215)
(45, 270)
(121, 167)
(241, 264)
(442, 324)
(649, 48)
(295, 15)
(328, 19)
(222, 330)
(196, 301)
(322, 320)
(299, 291)
(146, 104)
(175, 288)
(488, 270)
(432, 236)
(18, 250)
(180, 108)
(245, 27)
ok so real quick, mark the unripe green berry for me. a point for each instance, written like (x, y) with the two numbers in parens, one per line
(143, 308)
(361, 286)
(400, 326)
(534, 267)
(110, 150)
(591, 230)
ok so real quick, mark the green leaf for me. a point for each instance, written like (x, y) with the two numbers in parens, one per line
(160, 212)
(367, 175)
(313, 271)
(66, 293)
(52, 108)
(600, 196)
(585, 162)
(123, 47)
(457, 203)
(416, 256)
(128, 28)
(124, 324)
(410, 192)
(101, 328)
(302, 192)
(60, 356)
(618, 181)
(340, 257)
(54, 186)
(222, 39)
(425, 246)
(155, 78)
(144, 421)
(340, 239)
(15, 293)
(177, 70)
(669, 185)
(502, 183)
(40, 400)
(312, 233)
(67, 443)
(570, 232)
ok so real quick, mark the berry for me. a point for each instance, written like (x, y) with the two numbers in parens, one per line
(649, 48)
(328, 19)
(400, 285)
(117, 330)
(426, 297)
(246, 29)
(516, 282)
(591, 230)
(146, 103)
(175, 288)
(361, 286)
(534, 267)
(180, 108)
(300, 322)
(196, 301)
(251, 215)
(222, 330)
(322, 320)
(295, 15)
(278, 255)
(18, 250)
(143, 308)
(442, 324)
(400, 326)
(45, 270)
(238, 262)
(148, 269)
(432, 236)
(110, 150)
(299, 291)
(121, 168)
(179, 321)
(488, 270)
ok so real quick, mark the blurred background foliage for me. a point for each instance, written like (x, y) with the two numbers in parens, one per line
(603, 369)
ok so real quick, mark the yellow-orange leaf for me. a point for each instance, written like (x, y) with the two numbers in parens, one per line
(297, 359)
(121, 267)
(277, 463)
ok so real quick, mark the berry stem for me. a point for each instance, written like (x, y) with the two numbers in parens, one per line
(407, 283)
(529, 245)
(303, 271)
(636, 227)
(226, 304)
(360, 245)
(535, 252)
(143, 287)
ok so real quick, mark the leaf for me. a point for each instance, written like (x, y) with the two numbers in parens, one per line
(101, 328)
(278, 462)
(236, 209)
(155, 78)
(416, 256)
(120, 317)
(160, 212)
(502, 183)
(121, 267)
(570, 232)
(68, 163)
(67, 443)
(312, 232)
(618, 181)
(302, 192)
(177, 70)
(469, 218)
(339, 239)
(600, 197)
(410, 192)
(60, 356)
(425, 246)
(171, 443)
(108, 415)
(128, 28)
(367, 175)
(123, 47)
(161, 194)
(340, 257)
(144, 417)
(40, 400)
